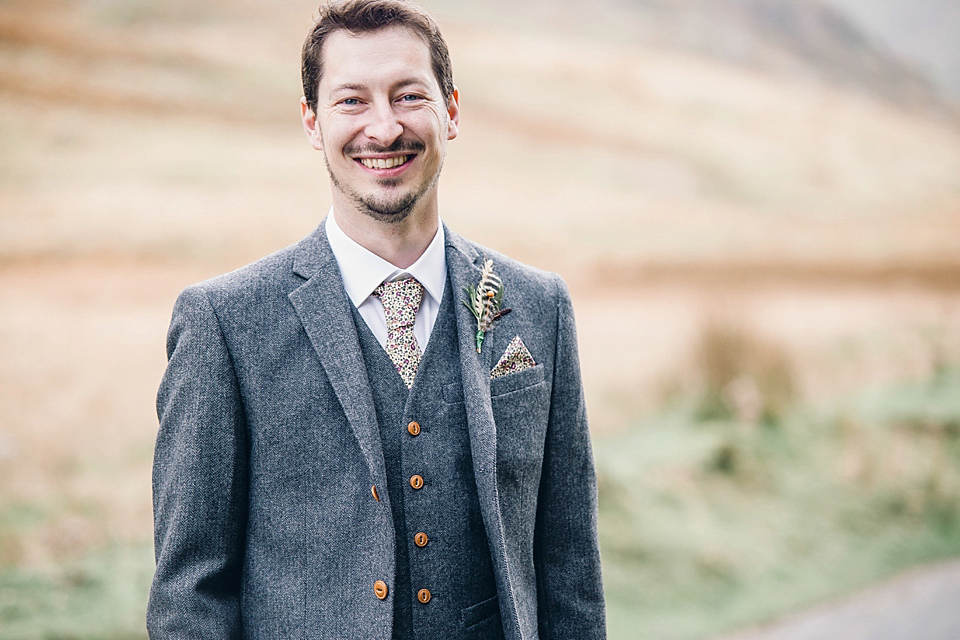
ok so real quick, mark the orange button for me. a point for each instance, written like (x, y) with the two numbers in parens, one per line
(423, 596)
(416, 481)
(373, 490)
(421, 539)
(380, 588)
(413, 428)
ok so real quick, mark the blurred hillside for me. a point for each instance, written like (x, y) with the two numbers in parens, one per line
(924, 32)
(756, 205)
(141, 128)
(787, 37)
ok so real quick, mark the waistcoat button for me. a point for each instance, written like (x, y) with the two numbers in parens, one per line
(380, 588)
(373, 490)
(420, 539)
(423, 596)
(413, 428)
(416, 481)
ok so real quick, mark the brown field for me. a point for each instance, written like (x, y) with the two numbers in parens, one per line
(144, 149)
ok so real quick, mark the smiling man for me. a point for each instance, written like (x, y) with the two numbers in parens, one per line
(378, 432)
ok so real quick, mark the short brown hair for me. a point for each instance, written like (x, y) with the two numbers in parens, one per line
(362, 16)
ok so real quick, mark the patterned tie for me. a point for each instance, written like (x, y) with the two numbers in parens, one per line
(401, 300)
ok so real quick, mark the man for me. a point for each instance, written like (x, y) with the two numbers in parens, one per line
(378, 432)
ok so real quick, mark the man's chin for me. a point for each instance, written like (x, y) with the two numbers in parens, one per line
(395, 217)
(393, 212)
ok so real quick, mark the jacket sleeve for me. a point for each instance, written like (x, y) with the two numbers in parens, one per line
(199, 482)
(566, 552)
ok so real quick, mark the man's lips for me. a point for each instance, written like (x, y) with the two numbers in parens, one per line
(385, 163)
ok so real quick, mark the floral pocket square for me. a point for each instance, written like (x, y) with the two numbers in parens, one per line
(516, 358)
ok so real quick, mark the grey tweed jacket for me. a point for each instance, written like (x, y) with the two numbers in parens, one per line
(265, 523)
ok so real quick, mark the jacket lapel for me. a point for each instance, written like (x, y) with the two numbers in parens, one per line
(464, 264)
(322, 305)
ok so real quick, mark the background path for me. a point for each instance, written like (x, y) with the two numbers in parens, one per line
(921, 605)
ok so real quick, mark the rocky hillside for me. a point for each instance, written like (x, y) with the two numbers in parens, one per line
(924, 32)
(790, 37)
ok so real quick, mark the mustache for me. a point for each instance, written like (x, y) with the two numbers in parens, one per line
(400, 145)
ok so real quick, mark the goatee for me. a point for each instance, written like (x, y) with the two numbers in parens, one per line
(384, 209)
(381, 209)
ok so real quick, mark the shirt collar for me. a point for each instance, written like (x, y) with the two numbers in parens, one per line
(363, 271)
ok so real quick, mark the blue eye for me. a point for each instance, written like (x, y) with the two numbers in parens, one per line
(350, 101)
(411, 97)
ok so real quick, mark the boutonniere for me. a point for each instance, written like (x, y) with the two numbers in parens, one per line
(484, 301)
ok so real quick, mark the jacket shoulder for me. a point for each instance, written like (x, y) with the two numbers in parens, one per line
(515, 274)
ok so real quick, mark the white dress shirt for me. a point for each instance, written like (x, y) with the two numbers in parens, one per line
(363, 271)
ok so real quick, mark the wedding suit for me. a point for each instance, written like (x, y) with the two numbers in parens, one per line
(276, 492)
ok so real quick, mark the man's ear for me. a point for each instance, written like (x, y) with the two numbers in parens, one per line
(310, 126)
(453, 113)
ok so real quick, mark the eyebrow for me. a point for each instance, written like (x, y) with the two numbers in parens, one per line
(347, 87)
(406, 82)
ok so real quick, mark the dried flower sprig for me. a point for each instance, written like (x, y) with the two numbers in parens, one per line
(484, 301)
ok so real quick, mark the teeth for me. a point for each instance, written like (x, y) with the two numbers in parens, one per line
(383, 163)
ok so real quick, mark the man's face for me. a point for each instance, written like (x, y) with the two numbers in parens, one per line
(381, 121)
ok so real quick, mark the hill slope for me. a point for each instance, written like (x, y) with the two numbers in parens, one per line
(790, 37)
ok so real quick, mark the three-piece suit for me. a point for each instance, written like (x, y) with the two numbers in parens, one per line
(302, 491)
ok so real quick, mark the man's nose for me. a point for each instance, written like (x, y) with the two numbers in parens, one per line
(384, 126)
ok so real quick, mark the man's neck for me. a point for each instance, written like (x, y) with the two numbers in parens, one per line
(400, 244)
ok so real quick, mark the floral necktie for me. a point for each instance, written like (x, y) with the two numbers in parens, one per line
(401, 300)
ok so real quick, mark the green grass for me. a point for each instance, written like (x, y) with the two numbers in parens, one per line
(101, 596)
(712, 524)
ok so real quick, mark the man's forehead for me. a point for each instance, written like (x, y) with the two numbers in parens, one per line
(394, 54)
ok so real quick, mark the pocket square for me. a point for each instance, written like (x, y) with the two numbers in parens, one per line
(515, 358)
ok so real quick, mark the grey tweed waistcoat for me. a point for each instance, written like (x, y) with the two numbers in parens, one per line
(454, 562)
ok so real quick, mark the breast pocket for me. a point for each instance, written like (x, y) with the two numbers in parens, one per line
(516, 381)
(521, 407)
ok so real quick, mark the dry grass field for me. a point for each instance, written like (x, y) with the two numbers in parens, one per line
(146, 146)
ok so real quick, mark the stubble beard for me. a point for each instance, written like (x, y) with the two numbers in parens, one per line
(385, 209)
